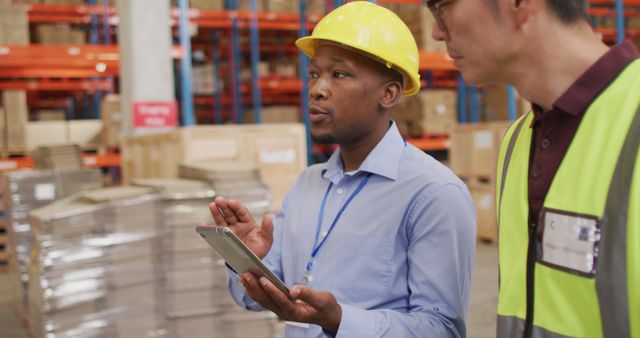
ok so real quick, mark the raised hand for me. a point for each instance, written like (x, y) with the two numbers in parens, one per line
(233, 214)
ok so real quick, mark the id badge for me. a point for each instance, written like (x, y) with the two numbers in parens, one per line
(570, 241)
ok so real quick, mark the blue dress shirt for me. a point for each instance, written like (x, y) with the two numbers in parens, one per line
(400, 258)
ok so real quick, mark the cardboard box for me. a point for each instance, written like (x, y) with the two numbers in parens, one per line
(14, 15)
(111, 114)
(316, 7)
(16, 139)
(85, 132)
(15, 106)
(244, 5)
(275, 114)
(59, 34)
(494, 102)
(44, 133)
(439, 110)
(212, 5)
(474, 149)
(16, 35)
(50, 115)
(420, 22)
(282, 6)
(484, 199)
(430, 111)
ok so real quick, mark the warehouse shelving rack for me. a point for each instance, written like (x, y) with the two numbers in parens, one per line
(92, 68)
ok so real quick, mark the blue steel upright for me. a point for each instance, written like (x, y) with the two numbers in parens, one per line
(254, 40)
(188, 118)
(619, 21)
(94, 40)
(511, 101)
(217, 88)
(304, 77)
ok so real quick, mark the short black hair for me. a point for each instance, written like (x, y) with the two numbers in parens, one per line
(568, 11)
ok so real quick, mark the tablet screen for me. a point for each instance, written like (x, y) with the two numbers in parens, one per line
(237, 254)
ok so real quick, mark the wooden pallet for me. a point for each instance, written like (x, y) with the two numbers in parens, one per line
(477, 179)
(90, 149)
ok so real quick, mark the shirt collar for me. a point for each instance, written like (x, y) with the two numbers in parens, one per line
(592, 82)
(383, 160)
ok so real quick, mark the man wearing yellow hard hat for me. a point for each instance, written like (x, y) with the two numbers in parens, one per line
(379, 241)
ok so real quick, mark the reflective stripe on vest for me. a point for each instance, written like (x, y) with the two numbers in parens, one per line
(512, 327)
(567, 303)
(612, 292)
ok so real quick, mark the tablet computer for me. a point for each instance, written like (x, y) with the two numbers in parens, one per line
(237, 254)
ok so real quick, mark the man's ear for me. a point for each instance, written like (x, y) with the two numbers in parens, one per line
(522, 10)
(391, 95)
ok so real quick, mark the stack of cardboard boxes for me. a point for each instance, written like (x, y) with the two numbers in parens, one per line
(314, 7)
(127, 262)
(275, 114)
(112, 119)
(60, 34)
(14, 119)
(420, 22)
(85, 133)
(236, 181)
(204, 80)
(278, 150)
(17, 134)
(494, 103)
(474, 156)
(95, 265)
(58, 157)
(428, 112)
(23, 191)
(14, 25)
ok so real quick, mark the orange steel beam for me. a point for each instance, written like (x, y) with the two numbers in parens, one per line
(64, 85)
(428, 143)
(436, 61)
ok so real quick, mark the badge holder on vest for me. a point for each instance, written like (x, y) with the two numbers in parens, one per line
(569, 241)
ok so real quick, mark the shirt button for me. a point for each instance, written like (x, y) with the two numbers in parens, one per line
(340, 191)
(545, 143)
(323, 234)
(535, 173)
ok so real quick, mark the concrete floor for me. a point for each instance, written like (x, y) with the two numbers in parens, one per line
(481, 321)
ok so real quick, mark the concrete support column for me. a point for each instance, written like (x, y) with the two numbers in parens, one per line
(146, 66)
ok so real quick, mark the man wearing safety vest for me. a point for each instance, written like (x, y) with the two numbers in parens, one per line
(568, 181)
(379, 241)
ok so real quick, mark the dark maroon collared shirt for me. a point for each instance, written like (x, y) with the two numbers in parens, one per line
(554, 129)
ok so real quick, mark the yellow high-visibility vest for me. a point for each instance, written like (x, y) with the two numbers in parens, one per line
(598, 177)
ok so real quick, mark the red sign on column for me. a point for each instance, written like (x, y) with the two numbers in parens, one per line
(156, 114)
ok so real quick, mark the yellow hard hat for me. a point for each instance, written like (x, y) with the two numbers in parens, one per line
(374, 30)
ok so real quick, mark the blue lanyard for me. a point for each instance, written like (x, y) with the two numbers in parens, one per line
(316, 245)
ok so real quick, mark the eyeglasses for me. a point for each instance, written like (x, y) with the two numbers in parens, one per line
(435, 6)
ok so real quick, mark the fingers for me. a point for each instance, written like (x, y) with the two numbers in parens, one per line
(322, 301)
(214, 209)
(267, 227)
(256, 292)
(239, 211)
(280, 299)
(329, 312)
(225, 209)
